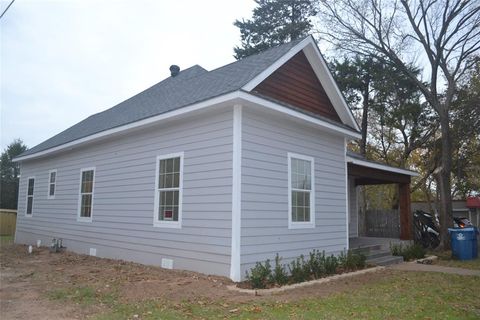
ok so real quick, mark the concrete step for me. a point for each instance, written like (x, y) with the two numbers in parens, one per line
(378, 254)
(365, 249)
(385, 260)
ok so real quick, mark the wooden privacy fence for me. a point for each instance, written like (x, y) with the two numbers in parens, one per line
(8, 221)
(384, 223)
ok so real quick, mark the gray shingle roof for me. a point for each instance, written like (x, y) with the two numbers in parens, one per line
(190, 86)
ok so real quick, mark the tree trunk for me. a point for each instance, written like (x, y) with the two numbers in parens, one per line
(363, 142)
(444, 182)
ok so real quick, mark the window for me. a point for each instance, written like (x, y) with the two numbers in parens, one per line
(85, 202)
(30, 189)
(301, 198)
(168, 191)
(52, 181)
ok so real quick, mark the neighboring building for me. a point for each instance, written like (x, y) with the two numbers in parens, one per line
(208, 171)
(469, 208)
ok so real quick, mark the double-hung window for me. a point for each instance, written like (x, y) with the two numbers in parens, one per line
(301, 198)
(168, 191)
(85, 201)
(30, 190)
(52, 183)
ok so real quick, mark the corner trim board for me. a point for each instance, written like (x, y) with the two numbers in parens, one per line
(236, 193)
(347, 198)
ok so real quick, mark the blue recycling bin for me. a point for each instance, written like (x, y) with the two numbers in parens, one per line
(475, 243)
(464, 243)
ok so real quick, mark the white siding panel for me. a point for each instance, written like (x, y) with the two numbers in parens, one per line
(123, 204)
(266, 141)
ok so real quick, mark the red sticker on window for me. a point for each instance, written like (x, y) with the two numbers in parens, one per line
(168, 214)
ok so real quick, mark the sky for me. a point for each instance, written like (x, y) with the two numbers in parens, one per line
(63, 60)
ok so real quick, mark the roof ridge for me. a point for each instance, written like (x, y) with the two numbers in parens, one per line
(295, 42)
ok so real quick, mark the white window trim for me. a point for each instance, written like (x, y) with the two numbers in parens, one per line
(49, 183)
(166, 223)
(311, 223)
(33, 197)
(79, 218)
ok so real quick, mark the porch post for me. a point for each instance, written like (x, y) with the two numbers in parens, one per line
(406, 218)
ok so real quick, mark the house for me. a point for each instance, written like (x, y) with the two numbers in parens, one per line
(208, 171)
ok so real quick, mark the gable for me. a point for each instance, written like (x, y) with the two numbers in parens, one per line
(296, 84)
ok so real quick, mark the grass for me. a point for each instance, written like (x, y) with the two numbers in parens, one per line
(445, 259)
(6, 240)
(84, 296)
(399, 296)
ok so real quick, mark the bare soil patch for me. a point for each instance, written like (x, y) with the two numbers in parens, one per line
(27, 281)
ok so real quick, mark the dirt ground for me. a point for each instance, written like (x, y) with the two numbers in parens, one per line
(27, 280)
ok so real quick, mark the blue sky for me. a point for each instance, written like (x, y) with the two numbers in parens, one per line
(61, 61)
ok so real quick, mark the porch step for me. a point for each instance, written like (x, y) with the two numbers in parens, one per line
(365, 249)
(378, 255)
(385, 260)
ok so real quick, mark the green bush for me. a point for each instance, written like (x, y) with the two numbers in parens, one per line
(279, 275)
(317, 266)
(299, 271)
(408, 252)
(351, 260)
(316, 263)
(331, 265)
(260, 275)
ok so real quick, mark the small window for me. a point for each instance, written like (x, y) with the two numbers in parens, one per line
(301, 191)
(52, 182)
(168, 191)
(30, 190)
(85, 203)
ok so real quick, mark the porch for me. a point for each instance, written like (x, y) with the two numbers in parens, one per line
(396, 223)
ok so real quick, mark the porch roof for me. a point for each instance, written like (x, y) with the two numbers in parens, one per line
(368, 172)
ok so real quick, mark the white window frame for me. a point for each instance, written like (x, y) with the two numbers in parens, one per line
(295, 224)
(165, 223)
(80, 218)
(33, 197)
(50, 183)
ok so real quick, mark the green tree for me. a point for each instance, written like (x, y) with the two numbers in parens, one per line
(356, 78)
(443, 34)
(274, 22)
(466, 136)
(9, 174)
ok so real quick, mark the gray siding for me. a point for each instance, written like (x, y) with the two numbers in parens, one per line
(123, 204)
(266, 140)
(352, 207)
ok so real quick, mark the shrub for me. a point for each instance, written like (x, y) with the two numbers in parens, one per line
(352, 260)
(260, 275)
(299, 270)
(408, 252)
(331, 264)
(317, 266)
(316, 263)
(279, 275)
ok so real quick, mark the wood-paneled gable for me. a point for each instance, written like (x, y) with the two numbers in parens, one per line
(296, 83)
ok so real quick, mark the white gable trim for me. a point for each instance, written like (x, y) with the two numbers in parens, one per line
(277, 64)
(350, 133)
(320, 68)
(380, 166)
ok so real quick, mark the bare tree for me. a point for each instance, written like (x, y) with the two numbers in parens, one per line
(441, 35)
